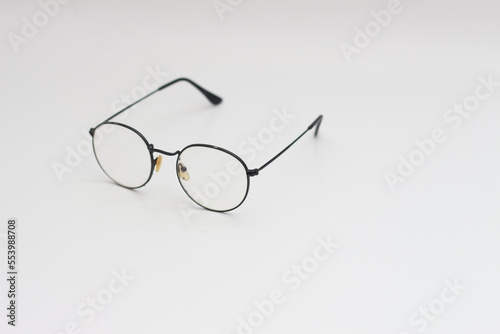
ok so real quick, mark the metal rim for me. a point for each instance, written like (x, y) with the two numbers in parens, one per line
(147, 147)
(225, 151)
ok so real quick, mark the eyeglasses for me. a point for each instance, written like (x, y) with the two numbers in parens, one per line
(213, 177)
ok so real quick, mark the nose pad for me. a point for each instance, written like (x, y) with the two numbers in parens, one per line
(158, 163)
(182, 171)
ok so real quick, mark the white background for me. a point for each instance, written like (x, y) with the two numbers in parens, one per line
(197, 271)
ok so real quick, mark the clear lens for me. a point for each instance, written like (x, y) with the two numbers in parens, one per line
(213, 178)
(122, 154)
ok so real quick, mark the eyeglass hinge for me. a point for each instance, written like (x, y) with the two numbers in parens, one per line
(91, 131)
(253, 172)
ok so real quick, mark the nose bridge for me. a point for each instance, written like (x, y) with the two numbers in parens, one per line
(152, 149)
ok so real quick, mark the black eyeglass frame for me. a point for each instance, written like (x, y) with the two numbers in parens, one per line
(215, 100)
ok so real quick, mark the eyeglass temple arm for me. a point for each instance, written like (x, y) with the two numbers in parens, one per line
(316, 123)
(214, 99)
